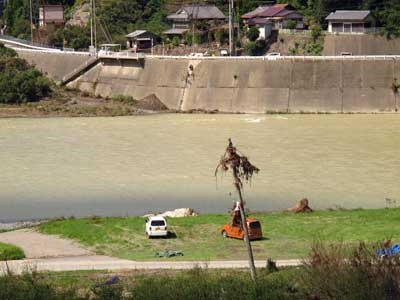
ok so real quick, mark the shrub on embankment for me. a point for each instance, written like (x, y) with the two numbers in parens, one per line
(20, 82)
(10, 252)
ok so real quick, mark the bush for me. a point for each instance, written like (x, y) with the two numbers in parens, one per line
(316, 32)
(201, 284)
(108, 292)
(314, 48)
(291, 24)
(253, 33)
(222, 36)
(175, 41)
(338, 271)
(20, 82)
(255, 48)
(10, 252)
(188, 39)
(124, 99)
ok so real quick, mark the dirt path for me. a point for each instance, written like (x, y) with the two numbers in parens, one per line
(98, 262)
(38, 245)
(50, 253)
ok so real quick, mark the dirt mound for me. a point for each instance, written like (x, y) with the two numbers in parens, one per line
(300, 207)
(151, 102)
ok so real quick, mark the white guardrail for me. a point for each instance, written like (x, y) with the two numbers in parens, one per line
(129, 55)
(294, 57)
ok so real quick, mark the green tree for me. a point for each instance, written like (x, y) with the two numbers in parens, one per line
(175, 41)
(20, 82)
(291, 24)
(389, 18)
(253, 33)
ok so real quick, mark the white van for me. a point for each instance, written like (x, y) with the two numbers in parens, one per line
(156, 226)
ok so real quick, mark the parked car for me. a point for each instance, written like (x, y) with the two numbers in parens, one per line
(156, 226)
(224, 52)
(235, 230)
(273, 55)
(196, 54)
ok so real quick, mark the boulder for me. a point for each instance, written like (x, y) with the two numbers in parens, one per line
(300, 207)
(177, 213)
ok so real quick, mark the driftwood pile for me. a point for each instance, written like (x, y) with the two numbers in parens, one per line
(300, 207)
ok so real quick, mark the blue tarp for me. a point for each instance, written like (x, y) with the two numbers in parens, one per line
(390, 251)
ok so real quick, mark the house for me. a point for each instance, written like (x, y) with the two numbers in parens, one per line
(141, 39)
(51, 14)
(351, 21)
(188, 15)
(264, 27)
(278, 14)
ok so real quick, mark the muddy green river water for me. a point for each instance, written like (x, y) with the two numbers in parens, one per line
(132, 165)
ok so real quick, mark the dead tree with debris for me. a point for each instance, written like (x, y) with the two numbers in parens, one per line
(242, 170)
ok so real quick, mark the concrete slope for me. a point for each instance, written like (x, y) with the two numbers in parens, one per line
(54, 64)
(38, 245)
(98, 262)
(252, 85)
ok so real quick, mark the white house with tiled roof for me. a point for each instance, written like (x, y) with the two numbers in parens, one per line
(350, 21)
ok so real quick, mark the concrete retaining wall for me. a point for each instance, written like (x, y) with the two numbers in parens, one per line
(253, 86)
(364, 44)
(54, 65)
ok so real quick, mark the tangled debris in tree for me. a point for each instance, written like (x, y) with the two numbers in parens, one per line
(240, 165)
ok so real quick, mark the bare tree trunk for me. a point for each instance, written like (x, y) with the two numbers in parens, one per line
(246, 234)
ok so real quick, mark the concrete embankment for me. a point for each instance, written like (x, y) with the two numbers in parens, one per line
(362, 44)
(252, 85)
(55, 64)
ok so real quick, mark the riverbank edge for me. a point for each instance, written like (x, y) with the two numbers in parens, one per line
(33, 222)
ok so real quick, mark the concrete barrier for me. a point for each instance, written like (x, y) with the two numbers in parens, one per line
(252, 86)
(362, 44)
(54, 64)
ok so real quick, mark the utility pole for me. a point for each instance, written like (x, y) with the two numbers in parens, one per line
(94, 25)
(230, 29)
(91, 24)
(31, 15)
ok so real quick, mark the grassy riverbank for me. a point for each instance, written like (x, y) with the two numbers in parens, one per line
(286, 235)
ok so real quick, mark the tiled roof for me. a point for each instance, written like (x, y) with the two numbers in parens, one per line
(198, 12)
(356, 15)
(259, 21)
(255, 12)
(277, 10)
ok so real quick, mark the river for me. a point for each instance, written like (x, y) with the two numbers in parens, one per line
(132, 165)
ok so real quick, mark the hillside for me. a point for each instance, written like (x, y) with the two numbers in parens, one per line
(117, 17)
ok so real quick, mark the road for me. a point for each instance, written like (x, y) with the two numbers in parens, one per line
(52, 253)
(99, 262)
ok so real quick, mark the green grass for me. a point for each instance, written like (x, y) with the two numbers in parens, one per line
(285, 235)
(10, 252)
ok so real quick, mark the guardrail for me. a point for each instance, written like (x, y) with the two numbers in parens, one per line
(55, 52)
(121, 55)
(25, 43)
(137, 56)
(297, 57)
